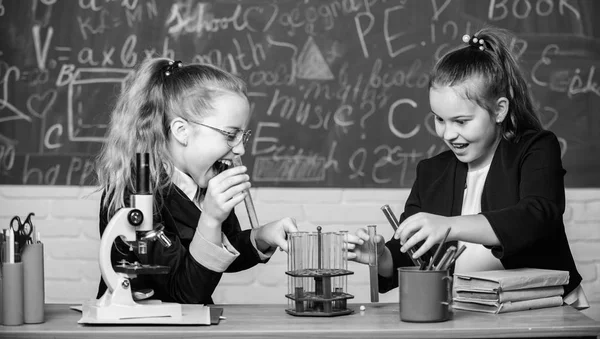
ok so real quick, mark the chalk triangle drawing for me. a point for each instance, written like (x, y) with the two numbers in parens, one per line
(311, 63)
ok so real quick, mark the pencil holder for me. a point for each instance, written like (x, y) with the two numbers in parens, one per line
(12, 294)
(1, 293)
(1, 261)
(425, 295)
(33, 273)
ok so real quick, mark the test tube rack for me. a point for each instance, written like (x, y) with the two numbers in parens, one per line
(317, 274)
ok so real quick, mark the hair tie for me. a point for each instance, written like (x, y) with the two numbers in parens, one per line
(474, 42)
(172, 66)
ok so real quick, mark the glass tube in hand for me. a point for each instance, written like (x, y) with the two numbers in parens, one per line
(373, 264)
(237, 161)
(394, 223)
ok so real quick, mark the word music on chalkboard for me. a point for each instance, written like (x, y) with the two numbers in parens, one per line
(338, 88)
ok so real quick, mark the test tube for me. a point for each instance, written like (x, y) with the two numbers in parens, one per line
(318, 279)
(290, 279)
(296, 262)
(344, 234)
(373, 264)
(330, 253)
(310, 262)
(339, 253)
(237, 161)
(343, 280)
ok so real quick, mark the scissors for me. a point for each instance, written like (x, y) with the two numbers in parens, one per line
(24, 229)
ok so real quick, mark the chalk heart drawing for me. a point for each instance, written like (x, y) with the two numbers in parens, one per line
(265, 12)
(548, 116)
(39, 105)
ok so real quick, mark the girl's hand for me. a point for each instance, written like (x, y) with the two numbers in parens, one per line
(358, 247)
(274, 234)
(224, 192)
(426, 227)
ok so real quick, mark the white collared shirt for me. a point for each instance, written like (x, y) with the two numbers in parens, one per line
(475, 257)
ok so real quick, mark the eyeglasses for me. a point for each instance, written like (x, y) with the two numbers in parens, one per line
(233, 138)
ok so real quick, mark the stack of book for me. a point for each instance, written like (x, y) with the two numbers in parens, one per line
(511, 290)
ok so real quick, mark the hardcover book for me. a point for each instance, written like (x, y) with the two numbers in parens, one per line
(491, 306)
(509, 280)
(505, 296)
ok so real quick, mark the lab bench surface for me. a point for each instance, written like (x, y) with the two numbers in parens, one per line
(377, 321)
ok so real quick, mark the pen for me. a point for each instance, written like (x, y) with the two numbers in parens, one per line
(394, 222)
(456, 255)
(446, 258)
(10, 246)
(4, 246)
(439, 249)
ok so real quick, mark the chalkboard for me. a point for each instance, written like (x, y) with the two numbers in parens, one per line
(338, 88)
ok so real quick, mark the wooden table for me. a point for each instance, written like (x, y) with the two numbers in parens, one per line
(377, 321)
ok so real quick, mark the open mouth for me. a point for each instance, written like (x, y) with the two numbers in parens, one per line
(459, 146)
(222, 165)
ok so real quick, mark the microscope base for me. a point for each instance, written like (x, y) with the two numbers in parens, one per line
(131, 313)
(191, 315)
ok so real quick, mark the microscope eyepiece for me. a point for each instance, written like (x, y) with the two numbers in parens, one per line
(142, 180)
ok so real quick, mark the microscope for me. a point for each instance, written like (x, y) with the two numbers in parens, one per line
(120, 304)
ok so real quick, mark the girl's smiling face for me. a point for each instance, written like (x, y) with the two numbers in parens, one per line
(206, 147)
(470, 131)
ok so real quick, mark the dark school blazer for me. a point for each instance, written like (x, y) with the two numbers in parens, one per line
(188, 281)
(523, 199)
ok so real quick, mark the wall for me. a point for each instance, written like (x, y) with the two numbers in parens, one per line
(66, 217)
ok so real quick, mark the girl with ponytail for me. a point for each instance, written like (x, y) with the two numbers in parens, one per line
(192, 120)
(499, 188)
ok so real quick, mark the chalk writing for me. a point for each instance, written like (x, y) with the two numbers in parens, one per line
(582, 83)
(289, 168)
(570, 81)
(69, 170)
(195, 18)
(13, 113)
(88, 28)
(522, 9)
(338, 89)
(7, 158)
(41, 53)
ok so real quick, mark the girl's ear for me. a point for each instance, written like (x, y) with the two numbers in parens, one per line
(501, 109)
(180, 130)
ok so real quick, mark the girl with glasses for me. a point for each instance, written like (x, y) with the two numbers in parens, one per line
(192, 120)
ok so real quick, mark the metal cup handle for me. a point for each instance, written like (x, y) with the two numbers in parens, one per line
(449, 289)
